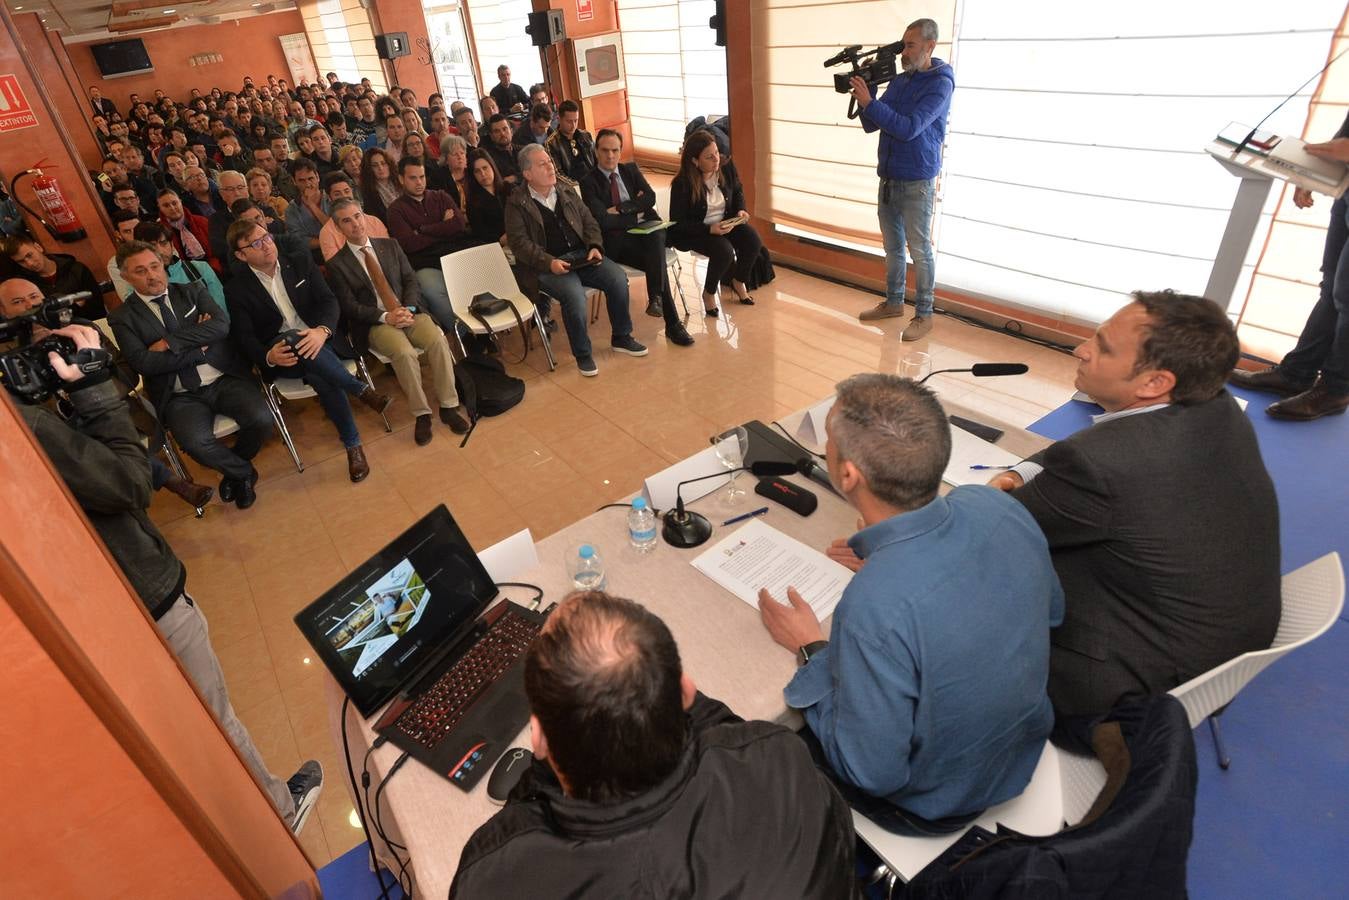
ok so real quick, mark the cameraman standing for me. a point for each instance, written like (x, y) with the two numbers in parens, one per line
(911, 116)
(99, 456)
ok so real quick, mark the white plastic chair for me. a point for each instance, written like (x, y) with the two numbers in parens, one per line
(1061, 790)
(297, 389)
(1313, 597)
(484, 269)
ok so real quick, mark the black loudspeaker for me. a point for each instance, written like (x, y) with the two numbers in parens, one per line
(546, 28)
(718, 23)
(392, 45)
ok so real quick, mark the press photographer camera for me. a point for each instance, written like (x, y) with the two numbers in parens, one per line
(881, 69)
(27, 370)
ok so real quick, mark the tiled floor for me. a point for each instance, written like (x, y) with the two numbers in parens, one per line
(571, 445)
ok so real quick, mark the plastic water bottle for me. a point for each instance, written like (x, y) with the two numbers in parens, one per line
(642, 526)
(587, 572)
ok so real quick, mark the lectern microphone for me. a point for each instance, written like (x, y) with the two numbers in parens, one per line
(1247, 139)
(682, 528)
(984, 370)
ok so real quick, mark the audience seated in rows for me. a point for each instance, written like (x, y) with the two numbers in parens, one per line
(502, 148)
(451, 176)
(379, 184)
(191, 233)
(573, 150)
(927, 703)
(338, 187)
(428, 224)
(486, 200)
(537, 129)
(642, 786)
(57, 274)
(545, 224)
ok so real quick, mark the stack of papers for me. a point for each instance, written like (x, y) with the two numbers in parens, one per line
(757, 556)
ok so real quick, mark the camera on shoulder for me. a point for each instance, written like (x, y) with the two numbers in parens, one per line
(880, 69)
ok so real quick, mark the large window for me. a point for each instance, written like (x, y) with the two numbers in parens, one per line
(675, 70)
(342, 39)
(499, 38)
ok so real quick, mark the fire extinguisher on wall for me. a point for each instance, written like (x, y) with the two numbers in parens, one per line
(60, 220)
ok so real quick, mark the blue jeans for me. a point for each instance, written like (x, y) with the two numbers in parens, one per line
(1323, 345)
(569, 291)
(330, 379)
(905, 211)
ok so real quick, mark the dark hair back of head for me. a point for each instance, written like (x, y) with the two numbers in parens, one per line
(334, 178)
(132, 248)
(604, 681)
(540, 113)
(150, 232)
(407, 162)
(1190, 337)
(125, 215)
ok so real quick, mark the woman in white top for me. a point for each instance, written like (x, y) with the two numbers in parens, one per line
(707, 205)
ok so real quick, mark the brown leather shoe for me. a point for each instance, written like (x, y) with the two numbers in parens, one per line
(422, 430)
(193, 494)
(1310, 404)
(455, 418)
(357, 467)
(1273, 379)
(375, 400)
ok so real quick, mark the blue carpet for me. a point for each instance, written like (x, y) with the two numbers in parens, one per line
(349, 878)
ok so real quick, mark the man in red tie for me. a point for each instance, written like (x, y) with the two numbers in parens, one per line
(620, 198)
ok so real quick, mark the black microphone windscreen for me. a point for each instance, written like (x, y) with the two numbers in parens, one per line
(772, 467)
(981, 370)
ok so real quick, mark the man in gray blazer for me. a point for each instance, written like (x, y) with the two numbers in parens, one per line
(176, 337)
(1161, 518)
(378, 292)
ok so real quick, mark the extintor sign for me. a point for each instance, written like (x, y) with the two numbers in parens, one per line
(15, 113)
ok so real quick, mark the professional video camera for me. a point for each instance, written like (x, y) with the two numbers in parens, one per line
(875, 72)
(25, 370)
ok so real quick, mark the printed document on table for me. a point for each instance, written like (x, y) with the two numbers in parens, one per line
(968, 450)
(757, 555)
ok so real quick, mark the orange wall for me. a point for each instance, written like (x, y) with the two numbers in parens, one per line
(26, 53)
(410, 71)
(606, 110)
(249, 47)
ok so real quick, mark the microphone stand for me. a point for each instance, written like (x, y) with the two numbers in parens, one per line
(684, 528)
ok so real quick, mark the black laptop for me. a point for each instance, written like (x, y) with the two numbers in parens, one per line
(412, 625)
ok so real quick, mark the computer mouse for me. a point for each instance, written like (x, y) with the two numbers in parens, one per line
(507, 773)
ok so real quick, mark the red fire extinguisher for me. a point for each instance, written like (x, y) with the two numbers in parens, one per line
(61, 221)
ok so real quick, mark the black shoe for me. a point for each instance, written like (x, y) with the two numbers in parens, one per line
(456, 418)
(626, 344)
(1273, 380)
(227, 489)
(747, 300)
(375, 400)
(653, 309)
(713, 312)
(244, 495)
(678, 335)
(305, 787)
(421, 431)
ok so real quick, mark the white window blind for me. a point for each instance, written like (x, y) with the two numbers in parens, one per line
(675, 70)
(342, 40)
(816, 167)
(1075, 168)
(499, 37)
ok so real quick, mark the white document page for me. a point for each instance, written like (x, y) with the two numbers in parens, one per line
(968, 450)
(757, 555)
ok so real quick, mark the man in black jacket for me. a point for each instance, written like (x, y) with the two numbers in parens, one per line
(99, 456)
(284, 318)
(620, 198)
(1161, 518)
(643, 787)
(177, 339)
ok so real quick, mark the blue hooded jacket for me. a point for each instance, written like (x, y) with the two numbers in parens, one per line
(911, 116)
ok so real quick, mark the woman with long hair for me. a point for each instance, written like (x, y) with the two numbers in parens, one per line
(486, 199)
(379, 186)
(708, 203)
(413, 120)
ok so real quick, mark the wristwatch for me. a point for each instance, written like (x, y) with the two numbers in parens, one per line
(804, 654)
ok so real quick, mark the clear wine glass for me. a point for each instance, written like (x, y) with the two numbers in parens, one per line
(915, 365)
(732, 443)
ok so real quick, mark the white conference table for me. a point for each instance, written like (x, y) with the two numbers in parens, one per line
(723, 646)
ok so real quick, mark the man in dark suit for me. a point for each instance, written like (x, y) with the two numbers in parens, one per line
(378, 293)
(1161, 518)
(620, 198)
(101, 105)
(284, 319)
(177, 339)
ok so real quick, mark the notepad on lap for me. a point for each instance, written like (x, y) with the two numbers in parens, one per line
(757, 555)
(649, 227)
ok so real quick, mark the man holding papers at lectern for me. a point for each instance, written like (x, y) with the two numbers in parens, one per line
(1314, 375)
(927, 704)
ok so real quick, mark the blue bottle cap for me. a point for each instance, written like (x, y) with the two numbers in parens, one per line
(587, 551)
(639, 503)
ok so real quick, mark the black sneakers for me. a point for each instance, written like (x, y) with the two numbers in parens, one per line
(305, 787)
(626, 344)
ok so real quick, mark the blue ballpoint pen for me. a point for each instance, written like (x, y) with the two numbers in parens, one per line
(992, 467)
(749, 515)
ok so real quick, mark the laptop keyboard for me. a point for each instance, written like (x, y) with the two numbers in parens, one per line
(435, 713)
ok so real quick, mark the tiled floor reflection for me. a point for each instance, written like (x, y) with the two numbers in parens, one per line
(572, 445)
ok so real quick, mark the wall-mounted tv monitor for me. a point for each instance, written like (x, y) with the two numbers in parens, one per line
(119, 59)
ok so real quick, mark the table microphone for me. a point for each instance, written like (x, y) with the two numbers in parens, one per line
(684, 528)
(817, 473)
(984, 370)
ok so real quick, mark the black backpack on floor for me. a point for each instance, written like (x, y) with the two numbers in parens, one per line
(484, 387)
